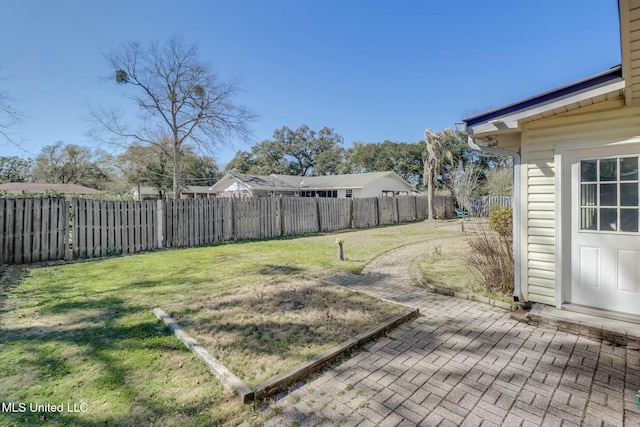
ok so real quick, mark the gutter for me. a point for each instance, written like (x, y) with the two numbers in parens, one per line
(516, 206)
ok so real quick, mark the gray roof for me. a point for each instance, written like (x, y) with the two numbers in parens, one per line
(149, 191)
(325, 182)
(38, 187)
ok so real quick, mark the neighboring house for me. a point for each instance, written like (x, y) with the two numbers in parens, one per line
(37, 187)
(576, 219)
(190, 192)
(371, 184)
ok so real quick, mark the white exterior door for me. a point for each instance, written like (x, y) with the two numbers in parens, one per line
(605, 225)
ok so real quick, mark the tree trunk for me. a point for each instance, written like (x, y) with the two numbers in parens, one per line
(176, 170)
(430, 190)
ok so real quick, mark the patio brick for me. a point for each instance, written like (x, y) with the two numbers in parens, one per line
(467, 363)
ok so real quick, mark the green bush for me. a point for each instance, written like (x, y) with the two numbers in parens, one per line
(501, 221)
(494, 207)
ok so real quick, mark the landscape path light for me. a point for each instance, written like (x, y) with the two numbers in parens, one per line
(340, 242)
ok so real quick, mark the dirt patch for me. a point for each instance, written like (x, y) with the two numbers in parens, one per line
(9, 274)
(264, 330)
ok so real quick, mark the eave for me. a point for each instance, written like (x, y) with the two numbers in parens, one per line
(510, 118)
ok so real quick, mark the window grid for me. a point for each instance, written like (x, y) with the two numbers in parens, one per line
(609, 193)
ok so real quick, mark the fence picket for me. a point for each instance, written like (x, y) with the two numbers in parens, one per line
(4, 246)
(36, 254)
(479, 206)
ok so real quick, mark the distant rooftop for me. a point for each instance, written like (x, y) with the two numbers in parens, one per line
(38, 187)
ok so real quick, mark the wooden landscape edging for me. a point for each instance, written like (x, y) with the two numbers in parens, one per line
(226, 377)
(304, 369)
(280, 381)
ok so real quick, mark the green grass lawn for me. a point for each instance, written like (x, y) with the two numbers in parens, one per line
(85, 333)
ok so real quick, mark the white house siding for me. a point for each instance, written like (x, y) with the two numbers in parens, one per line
(596, 125)
(355, 193)
(387, 183)
(538, 225)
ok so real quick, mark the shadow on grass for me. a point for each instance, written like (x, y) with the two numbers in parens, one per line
(95, 356)
(273, 270)
(10, 276)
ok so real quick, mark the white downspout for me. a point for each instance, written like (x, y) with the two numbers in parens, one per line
(515, 203)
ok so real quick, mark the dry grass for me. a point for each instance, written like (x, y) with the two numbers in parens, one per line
(460, 262)
(260, 332)
(443, 265)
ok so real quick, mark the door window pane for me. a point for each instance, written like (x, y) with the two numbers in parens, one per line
(629, 220)
(629, 194)
(589, 219)
(608, 194)
(608, 169)
(589, 170)
(589, 193)
(609, 219)
(629, 169)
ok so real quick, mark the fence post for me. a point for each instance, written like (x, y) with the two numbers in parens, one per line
(281, 213)
(318, 213)
(68, 251)
(351, 212)
(160, 223)
(395, 199)
(234, 223)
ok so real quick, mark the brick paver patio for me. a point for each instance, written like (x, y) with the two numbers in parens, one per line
(465, 363)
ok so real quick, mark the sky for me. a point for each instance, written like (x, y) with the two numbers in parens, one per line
(372, 70)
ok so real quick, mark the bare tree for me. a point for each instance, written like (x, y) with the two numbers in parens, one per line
(180, 98)
(436, 149)
(464, 181)
(8, 117)
(499, 181)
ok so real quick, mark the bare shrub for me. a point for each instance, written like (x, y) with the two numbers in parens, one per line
(492, 252)
(464, 181)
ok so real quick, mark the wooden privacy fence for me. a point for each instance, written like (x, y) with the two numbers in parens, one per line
(101, 228)
(51, 229)
(33, 230)
(479, 206)
(201, 221)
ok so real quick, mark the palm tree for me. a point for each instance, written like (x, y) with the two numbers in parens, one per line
(436, 148)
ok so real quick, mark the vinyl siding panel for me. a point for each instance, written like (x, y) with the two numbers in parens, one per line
(537, 256)
(542, 215)
(594, 125)
(548, 232)
(540, 240)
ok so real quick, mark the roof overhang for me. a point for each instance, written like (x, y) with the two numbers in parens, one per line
(510, 118)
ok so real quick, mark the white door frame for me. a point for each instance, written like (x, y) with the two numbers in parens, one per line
(564, 217)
